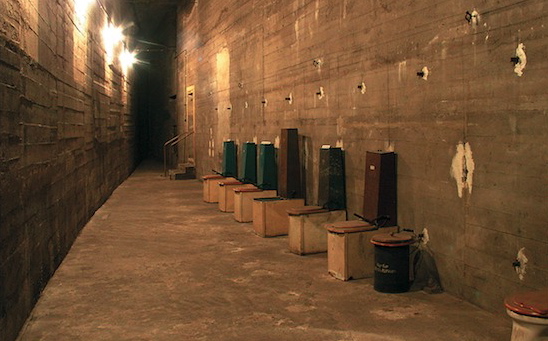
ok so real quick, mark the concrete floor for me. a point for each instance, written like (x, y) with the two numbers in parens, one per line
(157, 263)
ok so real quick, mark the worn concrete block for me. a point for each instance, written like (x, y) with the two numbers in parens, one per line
(243, 202)
(307, 232)
(270, 217)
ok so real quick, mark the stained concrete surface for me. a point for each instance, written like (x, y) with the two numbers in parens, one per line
(157, 263)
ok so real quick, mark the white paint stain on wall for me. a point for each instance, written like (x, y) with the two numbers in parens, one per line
(402, 69)
(475, 18)
(425, 73)
(520, 65)
(389, 146)
(320, 93)
(211, 144)
(462, 168)
(340, 126)
(222, 77)
(277, 142)
(425, 236)
(522, 259)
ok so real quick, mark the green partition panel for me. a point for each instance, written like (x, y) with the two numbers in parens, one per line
(248, 163)
(229, 159)
(267, 176)
(331, 182)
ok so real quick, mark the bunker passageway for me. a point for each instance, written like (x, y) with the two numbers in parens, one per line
(157, 263)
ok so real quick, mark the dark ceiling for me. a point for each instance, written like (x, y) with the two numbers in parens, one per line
(150, 17)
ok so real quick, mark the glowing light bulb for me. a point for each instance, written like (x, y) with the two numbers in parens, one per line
(127, 59)
(81, 8)
(112, 36)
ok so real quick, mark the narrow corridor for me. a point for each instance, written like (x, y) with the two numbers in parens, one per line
(157, 263)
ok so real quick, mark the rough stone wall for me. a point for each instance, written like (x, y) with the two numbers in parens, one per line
(66, 141)
(470, 132)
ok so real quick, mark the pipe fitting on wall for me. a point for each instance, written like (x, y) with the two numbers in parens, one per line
(362, 87)
(289, 98)
(320, 93)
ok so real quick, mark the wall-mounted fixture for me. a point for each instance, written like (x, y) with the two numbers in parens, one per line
(289, 98)
(240, 85)
(519, 60)
(472, 17)
(320, 93)
(264, 102)
(423, 73)
(362, 87)
(317, 62)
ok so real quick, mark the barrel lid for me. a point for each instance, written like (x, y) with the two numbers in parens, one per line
(303, 210)
(349, 226)
(531, 303)
(392, 239)
(212, 176)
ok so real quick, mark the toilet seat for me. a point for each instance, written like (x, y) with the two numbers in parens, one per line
(247, 189)
(531, 303)
(304, 210)
(350, 226)
(212, 177)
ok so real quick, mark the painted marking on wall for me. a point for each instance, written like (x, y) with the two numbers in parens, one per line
(522, 259)
(462, 168)
(520, 65)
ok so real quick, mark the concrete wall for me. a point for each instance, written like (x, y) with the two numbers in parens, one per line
(471, 135)
(66, 141)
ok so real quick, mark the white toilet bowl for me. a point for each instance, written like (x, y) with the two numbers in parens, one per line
(529, 313)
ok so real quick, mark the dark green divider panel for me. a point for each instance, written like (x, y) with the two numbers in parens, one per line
(267, 177)
(229, 159)
(248, 165)
(331, 182)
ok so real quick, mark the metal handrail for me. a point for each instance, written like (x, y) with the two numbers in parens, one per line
(173, 142)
